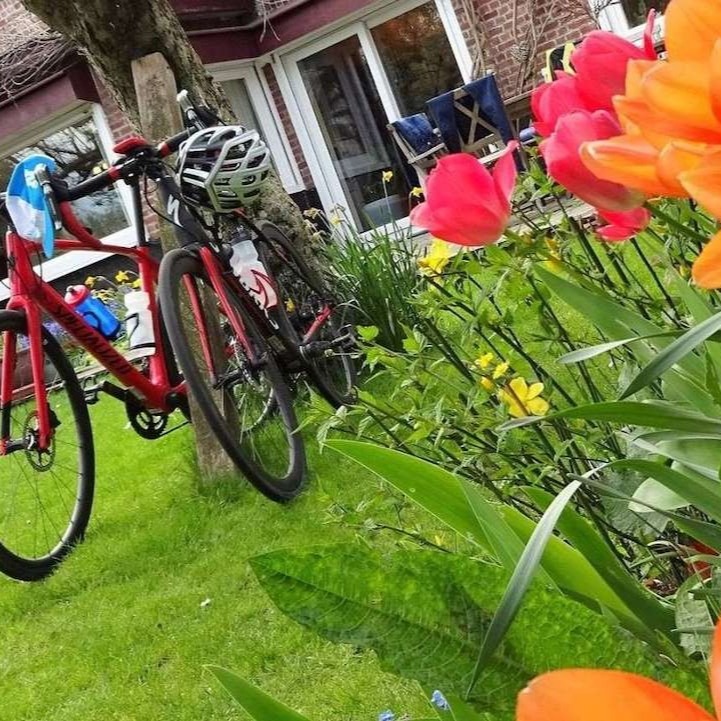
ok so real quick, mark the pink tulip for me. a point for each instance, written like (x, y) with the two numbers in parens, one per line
(600, 62)
(551, 101)
(561, 153)
(622, 226)
(465, 203)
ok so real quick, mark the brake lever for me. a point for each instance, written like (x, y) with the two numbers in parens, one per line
(43, 177)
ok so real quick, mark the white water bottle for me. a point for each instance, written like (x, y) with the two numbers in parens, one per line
(139, 320)
(252, 274)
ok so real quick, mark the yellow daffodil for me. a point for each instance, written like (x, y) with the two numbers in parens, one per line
(289, 306)
(501, 370)
(487, 384)
(438, 256)
(135, 283)
(484, 361)
(335, 219)
(523, 400)
(122, 276)
(417, 192)
(90, 281)
(387, 176)
(311, 213)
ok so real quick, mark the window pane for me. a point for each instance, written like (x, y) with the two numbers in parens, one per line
(76, 150)
(351, 117)
(237, 93)
(637, 10)
(417, 57)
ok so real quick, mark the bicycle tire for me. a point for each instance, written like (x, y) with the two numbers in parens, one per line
(175, 266)
(335, 378)
(12, 562)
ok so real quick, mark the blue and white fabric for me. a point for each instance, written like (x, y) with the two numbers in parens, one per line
(27, 205)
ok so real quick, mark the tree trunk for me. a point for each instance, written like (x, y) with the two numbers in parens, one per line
(159, 117)
(113, 33)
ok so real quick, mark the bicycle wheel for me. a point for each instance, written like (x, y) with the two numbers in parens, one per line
(304, 294)
(46, 495)
(245, 400)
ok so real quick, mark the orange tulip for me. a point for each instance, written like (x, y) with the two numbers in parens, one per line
(707, 268)
(589, 695)
(692, 29)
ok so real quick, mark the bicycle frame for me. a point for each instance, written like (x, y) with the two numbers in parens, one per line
(30, 294)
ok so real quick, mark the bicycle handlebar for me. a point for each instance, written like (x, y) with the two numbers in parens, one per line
(124, 167)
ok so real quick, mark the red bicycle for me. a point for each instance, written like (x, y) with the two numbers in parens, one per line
(237, 361)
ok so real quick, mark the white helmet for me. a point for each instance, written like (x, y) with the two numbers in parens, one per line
(222, 167)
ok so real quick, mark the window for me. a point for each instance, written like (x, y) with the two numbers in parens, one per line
(417, 57)
(636, 11)
(77, 151)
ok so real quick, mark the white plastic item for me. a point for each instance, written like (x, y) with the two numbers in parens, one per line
(252, 274)
(139, 320)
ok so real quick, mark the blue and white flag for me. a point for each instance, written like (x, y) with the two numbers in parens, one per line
(26, 203)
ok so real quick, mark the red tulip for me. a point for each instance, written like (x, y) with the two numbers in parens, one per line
(551, 101)
(622, 226)
(465, 203)
(561, 153)
(600, 62)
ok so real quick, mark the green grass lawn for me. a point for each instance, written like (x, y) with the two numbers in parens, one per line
(161, 587)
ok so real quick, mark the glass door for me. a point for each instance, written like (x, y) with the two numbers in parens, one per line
(352, 85)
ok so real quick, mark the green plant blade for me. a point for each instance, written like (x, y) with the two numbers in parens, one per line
(699, 492)
(584, 537)
(256, 703)
(501, 531)
(425, 614)
(633, 413)
(672, 354)
(584, 354)
(521, 579)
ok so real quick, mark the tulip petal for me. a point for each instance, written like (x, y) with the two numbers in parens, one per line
(676, 158)
(704, 183)
(683, 92)
(562, 155)
(589, 695)
(505, 174)
(692, 28)
(628, 160)
(649, 46)
(707, 274)
(551, 101)
(715, 89)
(600, 62)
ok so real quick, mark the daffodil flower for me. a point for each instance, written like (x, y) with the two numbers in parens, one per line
(417, 192)
(523, 400)
(438, 256)
(387, 176)
(485, 361)
(122, 276)
(488, 384)
(501, 370)
(90, 281)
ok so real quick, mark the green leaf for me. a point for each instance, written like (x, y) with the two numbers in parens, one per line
(256, 703)
(673, 353)
(368, 333)
(586, 539)
(584, 354)
(702, 493)
(633, 413)
(425, 614)
(501, 530)
(521, 579)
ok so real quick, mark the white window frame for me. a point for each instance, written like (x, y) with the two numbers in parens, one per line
(271, 125)
(297, 99)
(71, 261)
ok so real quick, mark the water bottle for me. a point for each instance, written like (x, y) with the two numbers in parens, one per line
(139, 320)
(251, 273)
(96, 314)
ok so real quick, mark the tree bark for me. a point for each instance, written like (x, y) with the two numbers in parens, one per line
(159, 117)
(113, 33)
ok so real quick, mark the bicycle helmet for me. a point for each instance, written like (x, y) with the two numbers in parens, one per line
(223, 167)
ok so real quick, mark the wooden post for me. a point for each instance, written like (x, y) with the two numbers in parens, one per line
(160, 117)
